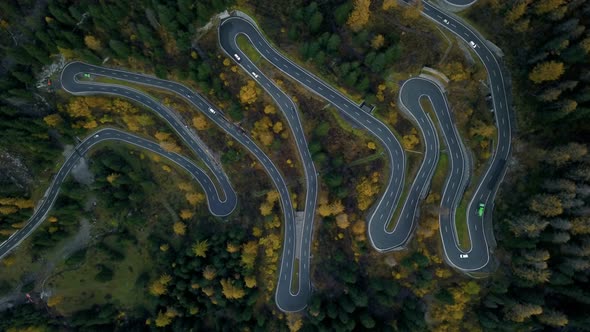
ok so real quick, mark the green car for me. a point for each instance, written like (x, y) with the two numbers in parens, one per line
(86, 75)
(480, 209)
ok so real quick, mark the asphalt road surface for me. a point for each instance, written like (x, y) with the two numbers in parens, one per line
(478, 256)
(461, 3)
(70, 81)
(287, 297)
(382, 212)
(218, 205)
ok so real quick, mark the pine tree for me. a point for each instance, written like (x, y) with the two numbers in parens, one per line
(200, 248)
(360, 15)
(546, 71)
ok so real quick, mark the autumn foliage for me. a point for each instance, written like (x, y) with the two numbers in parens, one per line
(366, 190)
(360, 15)
(546, 71)
(248, 93)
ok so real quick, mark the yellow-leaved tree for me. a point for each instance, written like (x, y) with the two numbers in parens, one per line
(482, 129)
(194, 198)
(248, 93)
(388, 4)
(163, 319)
(179, 228)
(170, 146)
(92, 43)
(342, 221)
(200, 248)
(331, 209)
(232, 247)
(269, 109)
(411, 140)
(294, 322)
(516, 12)
(158, 287)
(546, 71)
(231, 291)
(359, 17)
(162, 136)
(250, 281)
(546, 6)
(111, 178)
(186, 214)
(55, 300)
(200, 122)
(377, 42)
(53, 120)
(249, 252)
(366, 190)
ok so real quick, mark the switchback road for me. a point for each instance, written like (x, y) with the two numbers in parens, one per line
(218, 205)
(70, 82)
(285, 297)
(382, 212)
(478, 256)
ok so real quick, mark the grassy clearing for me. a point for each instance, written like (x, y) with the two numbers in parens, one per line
(413, 164)
(438, 179)
(295, 276)
(246, 47)
(22, 264)
(461, 224)
(367, 159)
(440, 173)
(109, 80)
(80, 290)
(346, 124)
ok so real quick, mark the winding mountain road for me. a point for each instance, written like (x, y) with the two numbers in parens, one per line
(219, 205)
(460, 3)
(381, 214)
(70, 82)
(478, 256)
(285, 298)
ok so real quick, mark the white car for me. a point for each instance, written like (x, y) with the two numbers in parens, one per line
(96, 136)
(472, 44)
(446, 21)
(463, 255)
(212, 111)
(255, 75)
(237, 57)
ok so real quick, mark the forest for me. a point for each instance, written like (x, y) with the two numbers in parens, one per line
(190, 275)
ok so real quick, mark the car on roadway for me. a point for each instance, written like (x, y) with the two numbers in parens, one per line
(96, 136)
(446, 21)
(255, 75)
(237, 57)
(463, 255)
(212, 111)
(480, 209)
(472, 44)
(86, 75)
